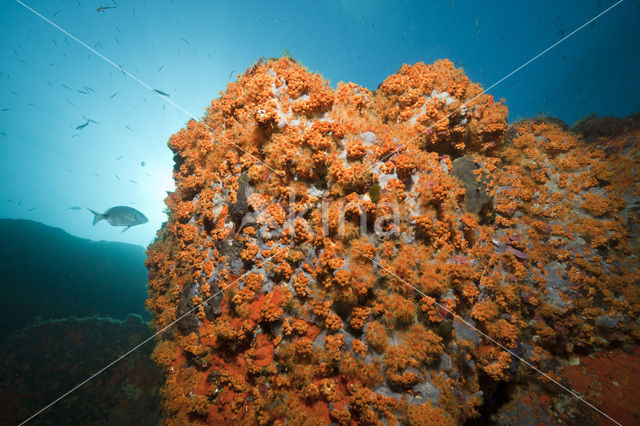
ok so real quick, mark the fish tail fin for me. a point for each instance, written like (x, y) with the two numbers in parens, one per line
(97, 217)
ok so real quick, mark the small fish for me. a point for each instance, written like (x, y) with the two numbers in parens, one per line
(185, 40)
(29, 103)
(103, 8)
(31, 209)
(120, 158)
(143, 164)
(277, 21)
(161, 66)
(15, 93)
(97, 174)
(113, 96)
(82, 91)
(128, 127)
(160, 92)
(19, 202)
(5, 109)
(11, 201)
(55, 13)
(133, 181)
(66, 87)
(97, 44)
(231, 74)
(147, 173)
(117, 177)
(82, 126)
(120, 216)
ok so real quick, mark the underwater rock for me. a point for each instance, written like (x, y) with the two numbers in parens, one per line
(476, 197)
(48, 358)
(592, 127)
(48, 273)
(355, 280)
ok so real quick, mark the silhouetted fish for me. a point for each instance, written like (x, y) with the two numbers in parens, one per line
(103, 8)
(160, 92)
(120, 216)
(74, 208)
(82, 126)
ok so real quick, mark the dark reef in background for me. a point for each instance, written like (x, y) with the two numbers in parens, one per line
(592, 127)
(48, 273)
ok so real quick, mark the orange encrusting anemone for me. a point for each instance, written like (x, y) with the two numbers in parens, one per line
(330, 241)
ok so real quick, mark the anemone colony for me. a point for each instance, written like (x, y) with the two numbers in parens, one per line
(338, 237)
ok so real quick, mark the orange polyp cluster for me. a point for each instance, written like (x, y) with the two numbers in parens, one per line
(336, 272)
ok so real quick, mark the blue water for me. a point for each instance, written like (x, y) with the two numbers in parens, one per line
(191, 50)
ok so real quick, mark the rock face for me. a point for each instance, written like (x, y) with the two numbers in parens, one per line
(476, 198)
(48, 358)
(324, 261)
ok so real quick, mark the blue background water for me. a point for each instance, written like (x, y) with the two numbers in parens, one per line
(192, 49)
